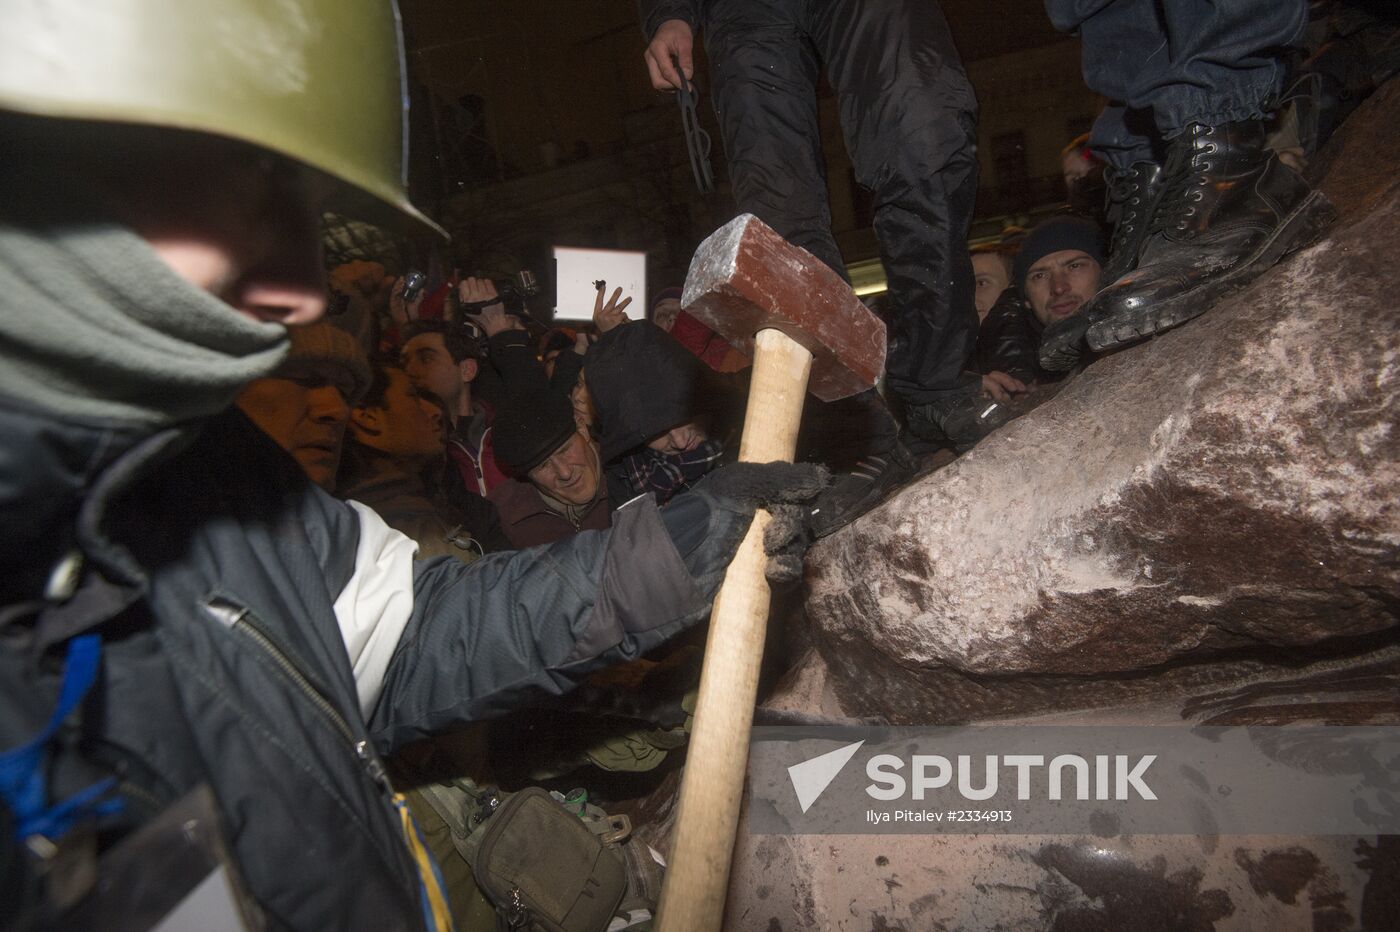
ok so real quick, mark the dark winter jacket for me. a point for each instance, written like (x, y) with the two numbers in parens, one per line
(656, 12)
(271, 641)
(399, 495)
(470, 445)
(529, 520)
(567, 366)
(512, 354)
(1009, 341)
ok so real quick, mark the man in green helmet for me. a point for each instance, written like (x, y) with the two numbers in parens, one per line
(180, 607)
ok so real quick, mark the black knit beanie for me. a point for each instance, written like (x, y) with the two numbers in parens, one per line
(528, 427)
(642, 383)
(1055, 235)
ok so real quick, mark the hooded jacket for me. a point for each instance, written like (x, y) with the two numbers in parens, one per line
(643, 383)
(257, 635)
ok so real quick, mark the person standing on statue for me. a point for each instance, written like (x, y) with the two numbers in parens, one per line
(1200, 205)
(910, 122)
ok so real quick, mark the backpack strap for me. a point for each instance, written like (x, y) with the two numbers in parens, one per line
(22, 769)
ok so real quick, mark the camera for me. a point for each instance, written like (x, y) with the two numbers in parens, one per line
(516, 291)
(513, 293)
(413, 283)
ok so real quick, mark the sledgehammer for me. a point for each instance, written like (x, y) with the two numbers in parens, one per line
(796, 318)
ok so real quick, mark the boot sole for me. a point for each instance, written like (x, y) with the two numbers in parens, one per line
(1302, 227)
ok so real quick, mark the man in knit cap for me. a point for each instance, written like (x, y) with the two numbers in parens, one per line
(1056, 272)
(558, 488)
(305, 404)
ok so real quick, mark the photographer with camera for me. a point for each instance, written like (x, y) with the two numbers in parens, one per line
(447, 360)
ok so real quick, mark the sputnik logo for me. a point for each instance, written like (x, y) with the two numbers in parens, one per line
(811, 777)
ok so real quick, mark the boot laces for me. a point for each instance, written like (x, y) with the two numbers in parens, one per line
(1186, 176)
(1126, 195)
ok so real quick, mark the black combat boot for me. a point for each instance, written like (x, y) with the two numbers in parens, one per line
(1228, 211)
(1133, 194)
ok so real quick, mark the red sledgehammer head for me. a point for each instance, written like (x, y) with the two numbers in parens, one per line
(746, 278)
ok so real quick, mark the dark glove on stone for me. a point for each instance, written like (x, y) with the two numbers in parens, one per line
(786, 490)
(786, 540)
(707, 524)
(750, 486)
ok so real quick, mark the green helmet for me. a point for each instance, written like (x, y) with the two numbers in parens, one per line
(319, 81)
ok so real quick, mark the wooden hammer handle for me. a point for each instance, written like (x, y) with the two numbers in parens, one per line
(697, 874)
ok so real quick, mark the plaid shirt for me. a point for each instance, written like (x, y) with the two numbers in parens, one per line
(668, 473)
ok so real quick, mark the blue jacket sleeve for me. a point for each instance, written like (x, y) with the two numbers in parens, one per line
(514, 627)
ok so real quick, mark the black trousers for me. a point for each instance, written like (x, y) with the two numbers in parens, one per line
(909, 119)
(1167, 65)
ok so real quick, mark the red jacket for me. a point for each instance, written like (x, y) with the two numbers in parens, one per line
(480, 473)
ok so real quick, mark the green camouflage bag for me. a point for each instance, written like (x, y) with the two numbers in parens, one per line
(543, 861)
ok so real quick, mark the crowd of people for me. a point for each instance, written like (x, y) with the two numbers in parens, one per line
(293, 562)
(483, 430)
(478, 429)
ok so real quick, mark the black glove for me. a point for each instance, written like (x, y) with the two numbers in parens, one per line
(786, 540)
(762, 485)
(786, 490)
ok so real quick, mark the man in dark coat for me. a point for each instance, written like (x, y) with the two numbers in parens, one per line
(182, 608)
(1058, 269)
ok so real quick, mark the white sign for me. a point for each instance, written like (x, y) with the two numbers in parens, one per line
(576, 270)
